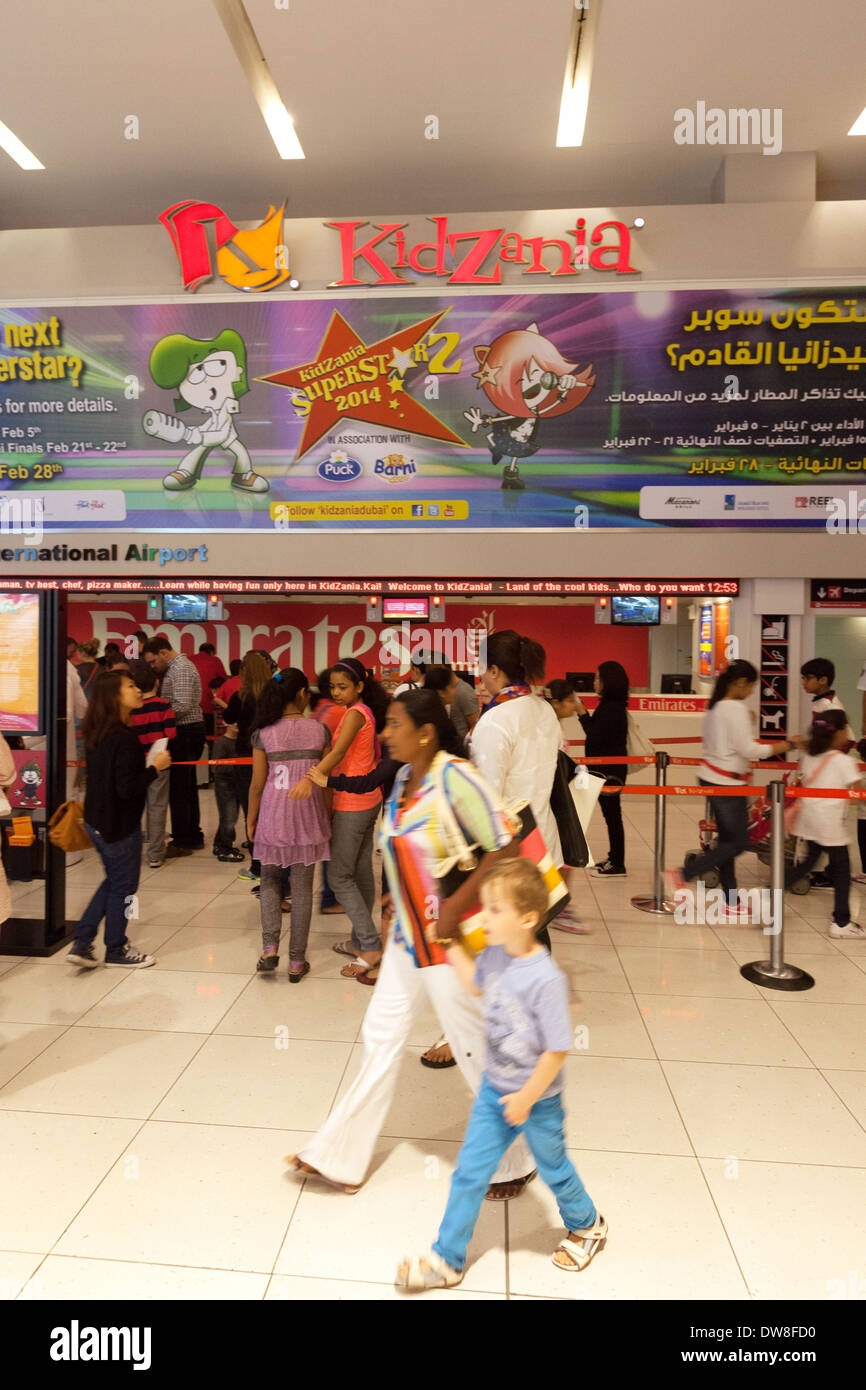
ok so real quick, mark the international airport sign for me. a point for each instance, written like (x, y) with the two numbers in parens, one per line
(472, 411)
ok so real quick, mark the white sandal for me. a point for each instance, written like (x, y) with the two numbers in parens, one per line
(438, 1275)
(581, 1250)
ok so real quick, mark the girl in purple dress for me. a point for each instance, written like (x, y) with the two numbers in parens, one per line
(286, 832)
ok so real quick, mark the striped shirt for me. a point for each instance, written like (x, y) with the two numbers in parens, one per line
(154, 720)
(182, 688)
(413, 843)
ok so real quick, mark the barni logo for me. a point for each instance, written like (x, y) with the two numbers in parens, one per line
(76, 1343)
(393, 467)
(208, 243)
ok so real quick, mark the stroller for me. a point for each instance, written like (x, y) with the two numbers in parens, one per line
(759, 841)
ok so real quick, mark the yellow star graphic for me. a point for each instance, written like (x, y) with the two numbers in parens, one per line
(396, 384)
(487, 374)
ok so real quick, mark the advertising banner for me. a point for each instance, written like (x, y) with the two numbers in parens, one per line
(315, 635)
(613, 409)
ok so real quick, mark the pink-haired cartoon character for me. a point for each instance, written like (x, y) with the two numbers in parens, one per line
(524, 374)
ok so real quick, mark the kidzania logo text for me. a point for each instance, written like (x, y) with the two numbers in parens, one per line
(460, 256)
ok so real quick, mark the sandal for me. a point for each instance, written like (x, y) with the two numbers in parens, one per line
(580, 1246)
(367, 977)
(295, 976)
(335, 911)
(344, 948)
(438, 1066)
(299, 1166)
(267, 964)
(357, 967)
(437, 1275)
(496, 1191)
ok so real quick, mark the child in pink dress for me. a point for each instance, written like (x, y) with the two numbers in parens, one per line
(286, 832)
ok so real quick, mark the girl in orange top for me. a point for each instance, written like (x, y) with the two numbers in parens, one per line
(355, 753)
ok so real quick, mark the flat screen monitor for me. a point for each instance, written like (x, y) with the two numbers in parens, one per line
(634, 610)
(580, 681)
(676, 685)
(185, 608)
(413, 610)
(20, 705)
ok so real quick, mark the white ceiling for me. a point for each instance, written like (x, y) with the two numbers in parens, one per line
(359, 77)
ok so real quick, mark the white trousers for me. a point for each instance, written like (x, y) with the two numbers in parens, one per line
(344, 1145)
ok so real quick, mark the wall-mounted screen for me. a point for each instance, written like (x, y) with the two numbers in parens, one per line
(185, 608)
(634, 610)
(414, 610)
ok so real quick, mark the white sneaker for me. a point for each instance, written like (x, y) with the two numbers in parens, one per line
(851, 931)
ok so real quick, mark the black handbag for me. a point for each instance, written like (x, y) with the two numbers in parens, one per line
(575, 851)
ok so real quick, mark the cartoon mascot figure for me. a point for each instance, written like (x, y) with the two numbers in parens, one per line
(526, 377)
(210, 376)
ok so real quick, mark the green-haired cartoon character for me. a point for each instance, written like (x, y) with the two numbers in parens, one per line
(211, 376)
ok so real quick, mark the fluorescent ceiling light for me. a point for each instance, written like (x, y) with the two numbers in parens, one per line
(242, 37)
(16, 150)
(578, 75)
(859, 126)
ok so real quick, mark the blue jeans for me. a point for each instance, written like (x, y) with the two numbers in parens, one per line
(122, 863)
(488, 1136)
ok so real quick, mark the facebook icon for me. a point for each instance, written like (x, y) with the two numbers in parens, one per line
(417, 509)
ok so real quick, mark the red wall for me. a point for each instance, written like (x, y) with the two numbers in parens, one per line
(313, 635)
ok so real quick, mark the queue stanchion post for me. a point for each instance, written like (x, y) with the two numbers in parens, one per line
(775, 973)
(655, 902)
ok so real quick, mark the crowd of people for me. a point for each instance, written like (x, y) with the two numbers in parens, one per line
(323, 772)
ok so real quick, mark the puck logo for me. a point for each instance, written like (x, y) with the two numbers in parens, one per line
(339, 468)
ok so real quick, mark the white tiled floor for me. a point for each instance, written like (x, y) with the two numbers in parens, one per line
(716, 1123)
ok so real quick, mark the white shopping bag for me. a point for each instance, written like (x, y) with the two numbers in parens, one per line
(585, 788)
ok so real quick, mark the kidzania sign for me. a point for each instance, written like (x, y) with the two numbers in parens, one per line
(458, 257)
(208, 244)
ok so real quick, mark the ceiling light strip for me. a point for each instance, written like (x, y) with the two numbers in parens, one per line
(578, 74)
(242, 37)
(17, 150)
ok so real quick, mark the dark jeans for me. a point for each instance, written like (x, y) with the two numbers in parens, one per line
(838, 870)
(731, 814)
(186, 746)
(243, 778)
(225, 790)
(122, 863)
(861, 843)
(611, 809)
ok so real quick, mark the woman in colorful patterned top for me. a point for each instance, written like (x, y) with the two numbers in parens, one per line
(414, 842)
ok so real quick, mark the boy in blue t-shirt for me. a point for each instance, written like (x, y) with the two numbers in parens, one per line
(528, 1034)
